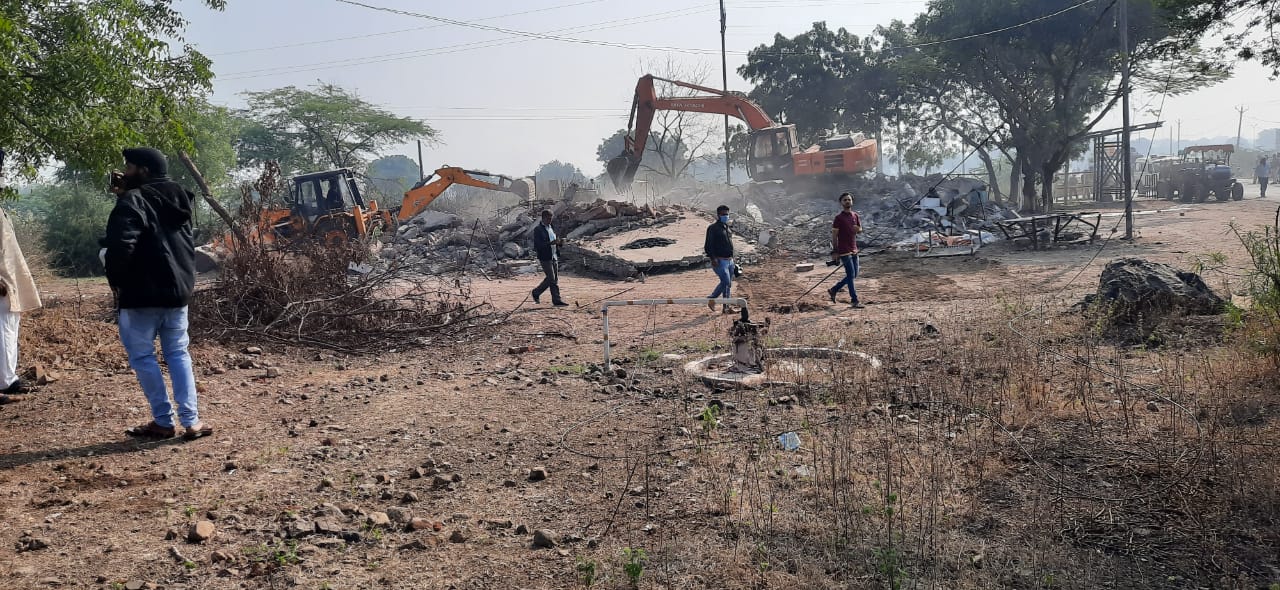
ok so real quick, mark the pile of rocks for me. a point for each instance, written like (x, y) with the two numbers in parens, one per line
(442, 241)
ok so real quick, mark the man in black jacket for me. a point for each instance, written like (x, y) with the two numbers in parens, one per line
(150, 261)
(545, 243)
(719, 248)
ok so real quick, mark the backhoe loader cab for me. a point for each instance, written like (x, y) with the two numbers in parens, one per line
(328, 206)
(318, 193)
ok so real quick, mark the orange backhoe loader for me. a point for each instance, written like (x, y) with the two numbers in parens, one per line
(328, 206)
(773, 152)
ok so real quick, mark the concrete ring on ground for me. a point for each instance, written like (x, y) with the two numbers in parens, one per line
(718, 369)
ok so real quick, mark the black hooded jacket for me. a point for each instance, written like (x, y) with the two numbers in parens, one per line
(151, 256)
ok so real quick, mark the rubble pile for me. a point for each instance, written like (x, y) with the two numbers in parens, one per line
(894, 212)
(1137, 296)
(504, 245)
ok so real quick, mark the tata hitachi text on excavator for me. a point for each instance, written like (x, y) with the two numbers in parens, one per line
(773, 151)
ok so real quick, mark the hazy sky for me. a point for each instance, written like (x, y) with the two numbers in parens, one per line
(508, 103)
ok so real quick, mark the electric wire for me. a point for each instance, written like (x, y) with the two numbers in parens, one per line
(385, 33)
(457, 48)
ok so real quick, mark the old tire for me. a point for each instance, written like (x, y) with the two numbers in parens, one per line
(1237, 191)
(1189, 192)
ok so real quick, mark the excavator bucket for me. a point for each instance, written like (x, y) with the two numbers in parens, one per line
(622, 171)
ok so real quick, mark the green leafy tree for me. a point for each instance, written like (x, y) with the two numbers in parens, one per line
(74, 217)
(821, 80)
(1052, 80)
(82, 79)
(324, 127)
(562, 171)
(653, 156)
(391, 176)
(1250, 38)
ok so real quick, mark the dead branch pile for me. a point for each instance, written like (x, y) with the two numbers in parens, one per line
(332, 296)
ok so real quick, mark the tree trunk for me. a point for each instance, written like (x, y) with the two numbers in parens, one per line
(1046, 179)
(992, 182)
(1030, 202)
(1014, 175)
(208, 195)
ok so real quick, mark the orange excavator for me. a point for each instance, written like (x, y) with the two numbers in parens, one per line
(773, 150)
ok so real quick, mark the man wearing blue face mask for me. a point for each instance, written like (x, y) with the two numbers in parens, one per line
(719, 248)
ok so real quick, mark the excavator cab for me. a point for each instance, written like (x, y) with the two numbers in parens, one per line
(770, 154)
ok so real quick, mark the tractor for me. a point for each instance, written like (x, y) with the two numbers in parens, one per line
(1201, 171)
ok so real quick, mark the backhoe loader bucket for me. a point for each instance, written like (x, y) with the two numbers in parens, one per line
(521, 187)
(622, 171)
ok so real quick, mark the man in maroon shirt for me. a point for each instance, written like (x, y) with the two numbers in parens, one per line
(844, 245)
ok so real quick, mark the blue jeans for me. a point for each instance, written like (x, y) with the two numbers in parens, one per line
(138, 331)
(850, 262)
(723, 268)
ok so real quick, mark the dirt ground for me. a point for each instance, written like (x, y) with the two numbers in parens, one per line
(492, 439)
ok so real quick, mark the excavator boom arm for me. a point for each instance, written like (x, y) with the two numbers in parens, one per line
(420, 197)
(646, 103)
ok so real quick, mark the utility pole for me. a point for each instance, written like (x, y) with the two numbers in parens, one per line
(421, 172)
(1179, 144)
(724, 74)
(1127, 164)
(1239, 124)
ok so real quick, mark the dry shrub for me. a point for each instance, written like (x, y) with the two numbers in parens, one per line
(310, 293)
(70, 332)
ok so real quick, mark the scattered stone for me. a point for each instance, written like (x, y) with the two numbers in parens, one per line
(253, 350)
(328, 526)
(804, 267)
(29, 543)
(509, 483)
(409, 497)
(458, 536)
(272, 372)
(440, 482)
(221, 557)
(538, 474)
(414, 545)
(399, 515)
(421, 524)
(300, 528)
(1153, 407)
(378, 519)
(542, 539)
(522, 529)
(200, 532)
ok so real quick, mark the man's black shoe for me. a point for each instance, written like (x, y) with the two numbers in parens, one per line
(535, 296)
(559, 304)
(831, 293)
(16, 387)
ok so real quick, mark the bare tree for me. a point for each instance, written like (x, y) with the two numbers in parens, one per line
(678, 138)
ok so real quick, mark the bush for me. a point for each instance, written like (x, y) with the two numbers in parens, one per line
(1263, 284)
(75, 218)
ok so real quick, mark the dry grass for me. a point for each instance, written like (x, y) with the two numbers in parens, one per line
(1014, 449)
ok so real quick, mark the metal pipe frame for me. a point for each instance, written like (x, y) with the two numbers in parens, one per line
(604, 311)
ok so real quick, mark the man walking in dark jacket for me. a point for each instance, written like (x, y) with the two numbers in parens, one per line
(719, 248)
(150, 261)
(545, 243)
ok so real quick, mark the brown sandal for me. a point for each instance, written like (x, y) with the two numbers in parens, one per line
(198, 431)
(151, 430)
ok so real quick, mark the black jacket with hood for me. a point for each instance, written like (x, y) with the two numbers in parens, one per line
(151, 256)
